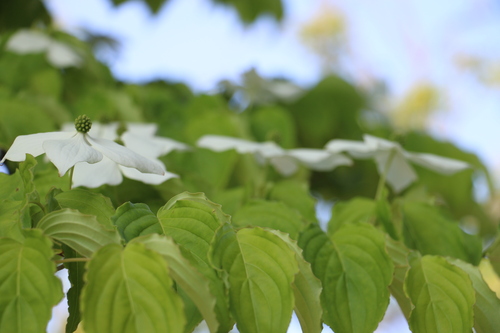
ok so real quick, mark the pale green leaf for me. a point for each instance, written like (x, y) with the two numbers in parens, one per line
(442, 296)
(487, 306)
(10, 219)
(192, 221)
(399, 254)
(132, 219)
(28, 285)
(195, 285)
(306, 290)
(270, 214)
(129, 290)
(79, 231)
(355, 271)
(88, 202)
(261, 268)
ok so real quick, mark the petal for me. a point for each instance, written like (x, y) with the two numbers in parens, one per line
(399, 174)
(318, 159)
(61, 55)
(125, 156)
(66, 153)
(26, 41)
(147, 178)
(32, 144)
(377, 143)
(94, 175)
(285, 165)
(151, 147)
(221, 143)
(142, 130)
(356, 149)
(436, 163)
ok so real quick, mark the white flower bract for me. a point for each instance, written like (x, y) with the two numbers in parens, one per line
(285, 161)
(68, 149)
(393, 161)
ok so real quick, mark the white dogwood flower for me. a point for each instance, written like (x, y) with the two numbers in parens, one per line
(393, 161)
(66, 149)
(58, 54)
(139, 138)
(285, 161)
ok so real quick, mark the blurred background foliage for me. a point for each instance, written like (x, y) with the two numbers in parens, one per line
(36, 96)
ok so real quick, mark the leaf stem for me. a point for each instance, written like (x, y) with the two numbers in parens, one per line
(62, 261)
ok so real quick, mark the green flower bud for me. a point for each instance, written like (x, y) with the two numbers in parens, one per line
(83, 124)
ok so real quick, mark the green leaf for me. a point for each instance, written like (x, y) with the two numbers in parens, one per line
(192, 221)
(273, 123)
(487, 306)
(12, 186)
(353, 211)
(399, 254)
(195, 285)
(494, 255)
(295, 195)
(249, 10)
(28, 285)
(76, 271)
(79, 231)
(355, 271)
(88, 203)
(442, 296)
(306, 290)
(261, 268)
(129, 290)
(429, 232)
(269, 214)
(10, 219)
(132, 219)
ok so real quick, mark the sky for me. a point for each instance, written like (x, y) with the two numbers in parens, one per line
(398, 42)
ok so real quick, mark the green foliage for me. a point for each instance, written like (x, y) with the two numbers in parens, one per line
(442, 296)
(27, 282)
(146, 258)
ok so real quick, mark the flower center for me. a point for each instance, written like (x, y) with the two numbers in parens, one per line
(83, 124)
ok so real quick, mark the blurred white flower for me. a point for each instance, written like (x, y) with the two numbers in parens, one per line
(393, 161)
(58, 54)
(285, 161)
(140, 139)
(70, 148)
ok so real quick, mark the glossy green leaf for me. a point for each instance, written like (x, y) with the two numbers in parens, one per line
(130, 290)
(442, 296)
(261, 268)
(195, 285)
(355, 271)
(295, 195)
(79, 231)
(88, 202)
(487, 306)
(353, 211)
(76, 271)
(428, 231)
(132, 219)
(269, 214)
(306, 290)
(28, 285)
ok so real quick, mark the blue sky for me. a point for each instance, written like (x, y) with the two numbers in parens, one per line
(399, 42)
